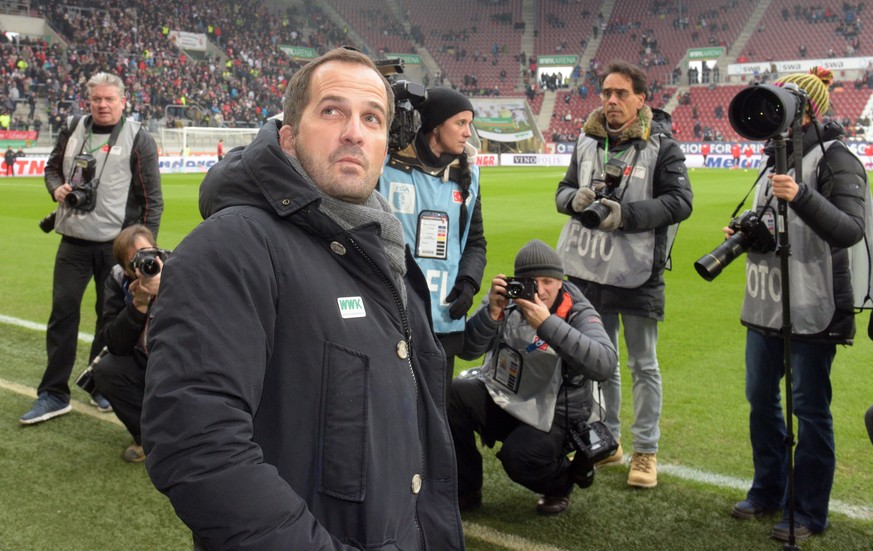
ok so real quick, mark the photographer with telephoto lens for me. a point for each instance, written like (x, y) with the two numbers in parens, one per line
(825, 215)
(103, 173)
(131, 290)
(541, 354)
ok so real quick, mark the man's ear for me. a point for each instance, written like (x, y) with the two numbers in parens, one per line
(287, 140)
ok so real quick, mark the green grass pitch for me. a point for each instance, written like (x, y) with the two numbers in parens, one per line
(64, 485)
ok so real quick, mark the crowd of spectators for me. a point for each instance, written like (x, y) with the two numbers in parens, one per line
(241, 84)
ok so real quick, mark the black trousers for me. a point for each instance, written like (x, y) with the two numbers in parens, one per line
(76, 263)
(535, 459)
(121, 380)
(452, 344)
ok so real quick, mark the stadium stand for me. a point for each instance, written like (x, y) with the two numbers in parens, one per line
(483, 47)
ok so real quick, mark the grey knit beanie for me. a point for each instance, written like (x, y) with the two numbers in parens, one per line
(538, 259)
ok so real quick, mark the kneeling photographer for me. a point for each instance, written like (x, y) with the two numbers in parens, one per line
(131, 290)
(824, 216)
(543, 344)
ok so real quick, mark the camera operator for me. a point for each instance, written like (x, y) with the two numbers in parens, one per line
(434, 190)
(619, 264)
(127, 307)
(103, 172)
(825, 217)
(540, 354)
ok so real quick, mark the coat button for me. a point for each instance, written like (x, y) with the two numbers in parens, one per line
(286, 202)
(402, 350)
(416, 483)
(338, 248)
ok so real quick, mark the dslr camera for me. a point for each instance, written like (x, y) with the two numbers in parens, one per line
(521, 287)
(750, 232)
(594, 441)
(408, 97)
(595, 213)
(146, 261)
(84, 194)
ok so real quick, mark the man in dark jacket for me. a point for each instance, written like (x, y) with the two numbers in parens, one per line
(9, 160)
(626, 190)
(299, 403)
(826, 216)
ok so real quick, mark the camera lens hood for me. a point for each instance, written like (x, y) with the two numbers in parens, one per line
(763, 111)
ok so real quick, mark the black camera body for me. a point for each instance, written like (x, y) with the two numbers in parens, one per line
(408, 97)
(750, 233)
(594, 441)
(84, 193)
(595, 213)
(521, 287)
(146, 261)
(47, 224)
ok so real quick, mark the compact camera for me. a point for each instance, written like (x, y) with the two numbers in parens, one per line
(750, 232)
(521, 287)
(595, 213)
(146, 261)
(84, 194)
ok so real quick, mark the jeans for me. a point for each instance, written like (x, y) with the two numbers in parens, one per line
(641, 339)
(814, 457)
(75, 264)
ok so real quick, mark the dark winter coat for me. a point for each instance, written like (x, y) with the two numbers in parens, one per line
(670, 204)
(292, 402)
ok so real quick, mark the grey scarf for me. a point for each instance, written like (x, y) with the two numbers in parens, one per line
(375, 209)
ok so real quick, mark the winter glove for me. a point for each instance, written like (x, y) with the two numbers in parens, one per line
(583, 199)
(613, 219)
(460, 298)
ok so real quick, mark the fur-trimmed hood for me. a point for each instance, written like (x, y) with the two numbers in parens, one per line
(649, 121)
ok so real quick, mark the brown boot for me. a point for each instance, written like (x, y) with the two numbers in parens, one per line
(643, 470)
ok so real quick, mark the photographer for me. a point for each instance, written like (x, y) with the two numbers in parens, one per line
(540, 354)
(618, 262)
(825, 217)
(131, 289)
(103, 172)
(434, 190)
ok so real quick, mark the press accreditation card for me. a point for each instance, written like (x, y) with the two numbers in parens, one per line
(507, 368)
(432, 239)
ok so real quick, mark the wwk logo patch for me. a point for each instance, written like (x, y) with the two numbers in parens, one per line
(351, 307)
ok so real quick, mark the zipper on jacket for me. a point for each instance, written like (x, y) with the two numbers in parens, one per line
(407, 330)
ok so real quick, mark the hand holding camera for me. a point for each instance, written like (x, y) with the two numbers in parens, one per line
(147, 265)
(583, 199)
(607, 196)
(613, 219)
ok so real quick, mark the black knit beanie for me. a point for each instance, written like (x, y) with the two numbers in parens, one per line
(538, 259)
(442, 103)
